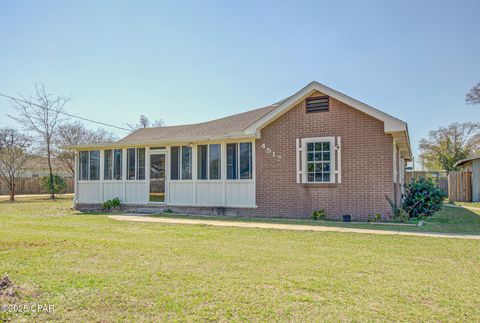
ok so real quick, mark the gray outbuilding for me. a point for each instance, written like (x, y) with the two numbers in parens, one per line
(472, 164)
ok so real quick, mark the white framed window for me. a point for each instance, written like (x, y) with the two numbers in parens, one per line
(316, 160)
(209, 162)
(136, 163)
(239, 160)
(181, 162)
(89, 165)
(112, 164)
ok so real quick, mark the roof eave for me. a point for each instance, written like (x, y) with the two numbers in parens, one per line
(148, 143)
(466, 160)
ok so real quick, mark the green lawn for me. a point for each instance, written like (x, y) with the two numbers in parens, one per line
(449, 220)
(92, 268)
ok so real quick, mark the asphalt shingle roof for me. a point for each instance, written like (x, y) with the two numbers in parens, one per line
(214, 128)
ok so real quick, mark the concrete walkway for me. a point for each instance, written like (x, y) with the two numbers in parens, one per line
(35, 195)
(280, 226)
(464, 207)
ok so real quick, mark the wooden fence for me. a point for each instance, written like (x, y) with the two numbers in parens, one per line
(30, 185)
(440, 178)
(460, 186)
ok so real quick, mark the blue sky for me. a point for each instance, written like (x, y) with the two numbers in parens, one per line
(192, 61)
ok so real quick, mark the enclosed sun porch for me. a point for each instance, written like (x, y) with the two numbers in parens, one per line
(209, 174)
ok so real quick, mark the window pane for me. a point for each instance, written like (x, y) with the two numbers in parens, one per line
(310, 146)
(311, 167)
(311, 177)
(232, 161)
(83, 163)
(107, 164)
(117, 168)
(326, 177)
(186, 162)
(215, 161)
(310, 156)
(326, 146)
(326, 167)
(318, 177)
(94, 164)
(141, 163)
(202, 161)
(131, 163)
(174, 163)
(326, 156)
(246, 160)
(318, 146)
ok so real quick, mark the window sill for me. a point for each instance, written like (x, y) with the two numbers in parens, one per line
(316, 185)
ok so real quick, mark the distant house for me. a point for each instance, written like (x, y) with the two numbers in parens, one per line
(472, 164)
(318, 148)
(38, 166)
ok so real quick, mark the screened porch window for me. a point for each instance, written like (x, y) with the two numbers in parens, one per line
(107, 164)
(208, 161)
(232, 160)
(117, 164)
(89, 164)
(239, 161)
(136, 163)
(181, 162)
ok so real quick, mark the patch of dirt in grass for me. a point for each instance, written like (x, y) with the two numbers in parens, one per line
(8, 245)
(10, 291)
(7, 288)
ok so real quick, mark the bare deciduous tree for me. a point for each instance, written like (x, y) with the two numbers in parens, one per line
(445, 146)
(70, 134)
(42, 114)
(473, 97)
(144, 122)
(13, 156)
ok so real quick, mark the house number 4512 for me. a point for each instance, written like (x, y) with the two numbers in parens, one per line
(270, 151)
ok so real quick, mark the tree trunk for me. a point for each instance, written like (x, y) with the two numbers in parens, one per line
(12, 191)
(49, 156)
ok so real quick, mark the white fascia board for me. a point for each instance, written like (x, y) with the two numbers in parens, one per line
(281, 109)
(146, 143)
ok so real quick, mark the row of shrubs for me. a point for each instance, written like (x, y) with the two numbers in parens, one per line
(421, 199)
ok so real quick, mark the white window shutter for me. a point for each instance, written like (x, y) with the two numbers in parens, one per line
(338, 150)
(298, 151)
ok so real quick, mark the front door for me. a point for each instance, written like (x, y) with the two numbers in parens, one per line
(157, 178)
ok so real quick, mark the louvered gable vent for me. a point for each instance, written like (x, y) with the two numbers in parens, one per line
(317, 104)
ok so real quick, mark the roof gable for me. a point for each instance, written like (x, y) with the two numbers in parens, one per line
(391, 124)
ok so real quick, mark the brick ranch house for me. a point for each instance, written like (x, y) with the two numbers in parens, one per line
(315, 149)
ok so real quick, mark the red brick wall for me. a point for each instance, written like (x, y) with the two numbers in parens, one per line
(367, 165)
